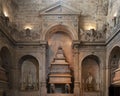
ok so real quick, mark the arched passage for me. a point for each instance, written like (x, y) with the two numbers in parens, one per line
(29, 73)
(91, 74)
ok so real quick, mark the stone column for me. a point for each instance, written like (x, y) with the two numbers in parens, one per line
(15, 81)
(76, 70)
(107, 79)
(43, 82)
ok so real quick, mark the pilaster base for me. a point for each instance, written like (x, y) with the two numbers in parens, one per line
(43, 89)
(76, 89)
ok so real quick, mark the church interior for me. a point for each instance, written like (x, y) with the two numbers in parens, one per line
(59, 47)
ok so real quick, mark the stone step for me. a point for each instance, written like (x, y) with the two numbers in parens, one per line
(58, 94)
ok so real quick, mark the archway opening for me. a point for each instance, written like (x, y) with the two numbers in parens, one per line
(91, 74)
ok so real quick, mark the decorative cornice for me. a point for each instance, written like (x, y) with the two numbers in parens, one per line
(93, 43)
(32, 43)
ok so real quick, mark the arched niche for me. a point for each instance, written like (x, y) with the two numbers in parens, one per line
(114, 63)
(5, 58)
(60, 39)
(91, 74)
(29, 73)
(56, 39)
(6, 64)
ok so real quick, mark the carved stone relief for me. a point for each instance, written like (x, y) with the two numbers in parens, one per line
(92, 35)
(27, 35)
(105, 7)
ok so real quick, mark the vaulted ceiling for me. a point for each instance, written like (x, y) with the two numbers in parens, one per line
(27, 13)
(23, 12)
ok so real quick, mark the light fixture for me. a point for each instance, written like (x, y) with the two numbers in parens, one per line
(90, 27)
(114, 18)
(6, 14)
(115, 14)
(6, 17)
(28, 27)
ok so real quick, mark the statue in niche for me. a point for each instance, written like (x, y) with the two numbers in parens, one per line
(52, 88)
(90, 83)
(28, 32)
(67, 88)
(30, 81)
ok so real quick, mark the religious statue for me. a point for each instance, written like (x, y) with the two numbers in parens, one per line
(52, 88)
(90, 82)
(30, 81)
(67, 88)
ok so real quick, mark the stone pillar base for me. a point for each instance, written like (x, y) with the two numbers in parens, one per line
(76, 89)
(43, 89)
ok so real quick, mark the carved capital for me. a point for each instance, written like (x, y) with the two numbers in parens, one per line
(76, 45)
(44, 46)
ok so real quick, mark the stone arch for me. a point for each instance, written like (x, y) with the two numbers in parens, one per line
(6, 63)
(92, 64)
(29, 73)
(59, 36)
(113, 62)
(25, 57)
(95, 57)
(64, 28)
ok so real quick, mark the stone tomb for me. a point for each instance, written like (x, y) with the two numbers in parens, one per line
(60, 74)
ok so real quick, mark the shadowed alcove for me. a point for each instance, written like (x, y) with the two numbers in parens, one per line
(59, 40)
(5, 70)
(91, 74)
(29, 73)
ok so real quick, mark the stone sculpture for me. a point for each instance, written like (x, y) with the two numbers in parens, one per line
(67, 88)
(92, 35)
(90, 83)
(52, 88)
